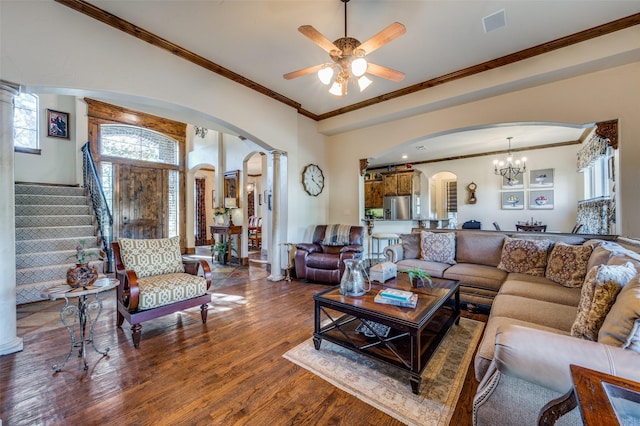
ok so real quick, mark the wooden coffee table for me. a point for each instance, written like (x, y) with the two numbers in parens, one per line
(415, 332)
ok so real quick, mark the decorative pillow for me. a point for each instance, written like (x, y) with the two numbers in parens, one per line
(524, 256)
(620, 320)
(567, 264)
(599, 291)
(633, 342)
(151, 257)
(438, 247)
(410, 245)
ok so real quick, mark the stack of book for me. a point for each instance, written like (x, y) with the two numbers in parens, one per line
(392, 296)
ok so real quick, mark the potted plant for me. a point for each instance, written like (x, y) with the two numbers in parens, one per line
(83, 274)
(220, 250)
(417, 277)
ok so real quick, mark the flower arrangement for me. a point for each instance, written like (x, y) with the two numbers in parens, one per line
(220, 211)
(82, 255)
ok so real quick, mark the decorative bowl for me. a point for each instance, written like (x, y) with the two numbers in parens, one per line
(541, 200)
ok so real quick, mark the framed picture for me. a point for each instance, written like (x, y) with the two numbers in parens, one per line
(57, 124)
(512, 200)
(541, 200)
(515, 183)
(541, 178)
(231, 195)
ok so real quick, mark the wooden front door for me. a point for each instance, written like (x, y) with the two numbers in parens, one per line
(142, 203)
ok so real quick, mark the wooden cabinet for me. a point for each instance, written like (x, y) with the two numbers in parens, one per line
(390, 184)
(405, 181)
(373, 194)
(398, 183)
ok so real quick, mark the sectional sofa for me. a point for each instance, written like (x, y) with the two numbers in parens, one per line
(554, 301)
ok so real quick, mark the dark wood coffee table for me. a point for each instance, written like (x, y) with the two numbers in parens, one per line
(415, 332)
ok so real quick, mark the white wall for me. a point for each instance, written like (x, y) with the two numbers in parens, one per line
(57, 161)
(568, 184)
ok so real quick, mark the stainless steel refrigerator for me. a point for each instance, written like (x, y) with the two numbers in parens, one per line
(397, 207)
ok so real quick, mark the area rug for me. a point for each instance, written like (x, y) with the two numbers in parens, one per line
(387, 388)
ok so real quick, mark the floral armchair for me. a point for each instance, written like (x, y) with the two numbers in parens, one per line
(322, 260)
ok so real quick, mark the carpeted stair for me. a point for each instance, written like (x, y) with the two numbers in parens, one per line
(50, 222)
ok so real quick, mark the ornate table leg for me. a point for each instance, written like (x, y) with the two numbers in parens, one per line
(95, 306)
(69, 316)
(551, 412)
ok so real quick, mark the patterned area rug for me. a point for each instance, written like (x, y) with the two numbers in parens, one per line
(387, 388)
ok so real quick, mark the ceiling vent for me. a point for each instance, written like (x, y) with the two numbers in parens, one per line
(494, 21)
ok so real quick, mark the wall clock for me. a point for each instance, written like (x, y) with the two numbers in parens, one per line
(313, 180)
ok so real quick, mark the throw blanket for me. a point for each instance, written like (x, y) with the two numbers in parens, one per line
(336, 235)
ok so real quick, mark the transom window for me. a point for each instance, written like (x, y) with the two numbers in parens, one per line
(25, 122)
(137, 143)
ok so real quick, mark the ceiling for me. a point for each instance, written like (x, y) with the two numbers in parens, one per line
(259, 40)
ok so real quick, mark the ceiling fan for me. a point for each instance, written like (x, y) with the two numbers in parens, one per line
(348, 55)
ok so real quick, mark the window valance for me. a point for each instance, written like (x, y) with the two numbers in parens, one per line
(593, 149)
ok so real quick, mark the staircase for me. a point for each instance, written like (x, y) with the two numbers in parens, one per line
(50, 222)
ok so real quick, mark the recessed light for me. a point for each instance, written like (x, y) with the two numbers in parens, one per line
(405, 156)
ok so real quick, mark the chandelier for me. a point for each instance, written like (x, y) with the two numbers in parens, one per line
(509, 168)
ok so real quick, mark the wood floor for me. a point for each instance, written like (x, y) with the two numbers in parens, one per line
(229, 371)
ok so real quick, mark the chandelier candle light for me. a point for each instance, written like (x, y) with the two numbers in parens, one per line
(509, 168)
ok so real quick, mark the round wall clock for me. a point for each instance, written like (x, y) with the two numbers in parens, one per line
(313, 180)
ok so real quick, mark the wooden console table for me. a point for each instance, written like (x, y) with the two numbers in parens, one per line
(225, 233)
(589, 394)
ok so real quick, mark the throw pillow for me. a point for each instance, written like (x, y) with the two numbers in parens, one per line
(599, 291)
(151, 257)
(524, 256)
(620, 320)
(438, 247)
(633, 342)
(567, 264)
(410, 245)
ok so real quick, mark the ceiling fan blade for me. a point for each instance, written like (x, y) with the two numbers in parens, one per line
(304, 71)
(390, 33)
(315, 36)
(384, 72)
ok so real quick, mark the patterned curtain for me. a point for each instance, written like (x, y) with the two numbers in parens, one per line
(594, 148)
(201, 213)
(596, 216)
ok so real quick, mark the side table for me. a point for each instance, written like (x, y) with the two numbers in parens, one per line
(593, 392)
(75, 318)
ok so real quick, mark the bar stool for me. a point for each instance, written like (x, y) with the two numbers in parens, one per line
(391, 239)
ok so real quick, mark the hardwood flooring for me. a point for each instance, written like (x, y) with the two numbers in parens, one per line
(229, 371)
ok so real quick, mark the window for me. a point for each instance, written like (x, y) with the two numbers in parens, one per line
(25, 123)
(596, 179)
(137, 143)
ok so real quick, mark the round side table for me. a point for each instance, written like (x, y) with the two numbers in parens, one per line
(75, 318)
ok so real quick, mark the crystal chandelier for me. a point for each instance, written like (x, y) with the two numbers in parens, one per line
(509, 168)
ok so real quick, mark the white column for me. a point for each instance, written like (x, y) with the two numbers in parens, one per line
(275, 247)
(9, 341)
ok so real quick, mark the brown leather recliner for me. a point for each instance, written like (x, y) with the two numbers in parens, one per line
(325, 263)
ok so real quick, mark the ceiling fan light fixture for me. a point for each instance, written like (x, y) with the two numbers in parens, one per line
(336, 89)
(359, 66)
(325, 74)
(364, 82)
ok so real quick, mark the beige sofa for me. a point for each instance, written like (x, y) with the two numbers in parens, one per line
(523, 360)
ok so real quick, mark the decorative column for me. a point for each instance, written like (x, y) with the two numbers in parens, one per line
(275, 247)
(9, 341)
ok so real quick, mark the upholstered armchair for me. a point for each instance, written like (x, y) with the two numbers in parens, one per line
(155, 281)
(322, 260)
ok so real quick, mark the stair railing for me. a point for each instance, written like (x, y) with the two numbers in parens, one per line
(101, 209)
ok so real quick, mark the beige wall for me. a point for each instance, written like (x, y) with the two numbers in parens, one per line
(593, 97)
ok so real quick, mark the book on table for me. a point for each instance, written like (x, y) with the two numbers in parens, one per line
(412, 302)
(395, 294)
